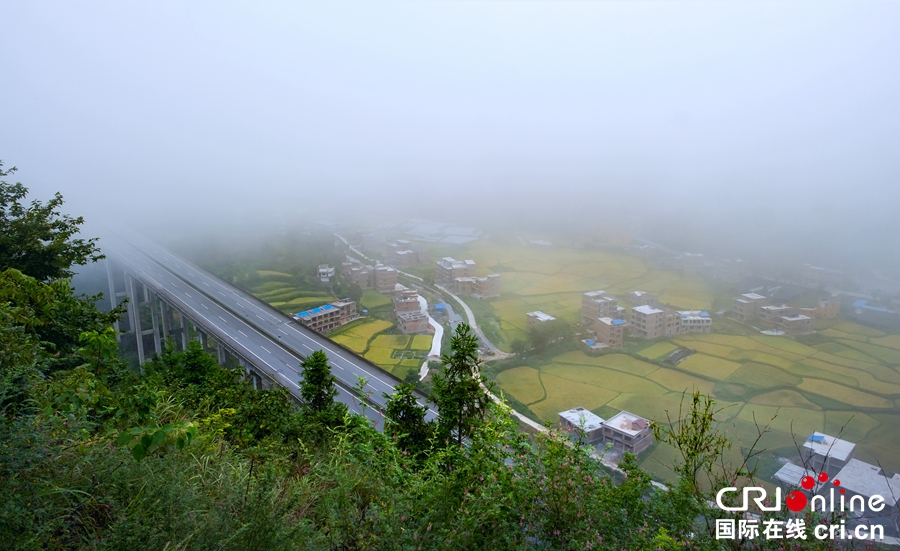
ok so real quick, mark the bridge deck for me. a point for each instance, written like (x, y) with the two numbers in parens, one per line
(263, 336)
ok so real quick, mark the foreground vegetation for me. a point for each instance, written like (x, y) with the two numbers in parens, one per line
(185, 455)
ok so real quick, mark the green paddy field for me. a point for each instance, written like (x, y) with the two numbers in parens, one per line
(846, 377)
(848, 385)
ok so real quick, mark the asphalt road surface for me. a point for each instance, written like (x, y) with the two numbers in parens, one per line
(257, 331)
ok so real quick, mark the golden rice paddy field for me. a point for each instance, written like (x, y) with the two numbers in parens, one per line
(357, 334)
(398, 354)
(850, 383)
(552, 280)
(850, 378)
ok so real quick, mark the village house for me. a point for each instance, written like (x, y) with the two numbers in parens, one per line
(328, 317)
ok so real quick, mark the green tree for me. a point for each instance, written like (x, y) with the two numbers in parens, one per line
(459, 391)
(18, 351)
(354, 292)
(52, 315)
(100, 348)
(404, 419)
(694, 436)
(544, 334)
(318, 386)
(37, 239)
(518, 346)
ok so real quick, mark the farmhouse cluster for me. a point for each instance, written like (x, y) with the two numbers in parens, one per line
(624, 432)
(602, 316)
(855, 481)
(609, 323)
(380, 277)
(458, 276)
(781, 318)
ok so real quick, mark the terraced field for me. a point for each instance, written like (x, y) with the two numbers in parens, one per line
(357, 334)
(850, 383)
(282, 291)
(396, 353)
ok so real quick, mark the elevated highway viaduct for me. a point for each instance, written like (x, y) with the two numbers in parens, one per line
(186, 302)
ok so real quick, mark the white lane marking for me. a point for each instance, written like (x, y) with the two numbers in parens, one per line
(242, 306)
(223, 319)
(192, 275)
(244, 334)
(266, 349)
(203, 305)
(341, 390)
(280, 374)
(371, 376)
(304, 336)
(199, 315)
(306, 347)
(282, 332)
(221, 293)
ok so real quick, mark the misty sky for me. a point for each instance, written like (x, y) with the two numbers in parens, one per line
(782, 116)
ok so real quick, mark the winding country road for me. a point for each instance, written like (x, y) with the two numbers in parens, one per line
(497, 354)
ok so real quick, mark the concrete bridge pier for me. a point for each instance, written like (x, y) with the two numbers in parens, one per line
(182, 329)
(166, 318)
(256, 379)
(150, 304)
(115, 297)
(173, 324)
(185, 331)
(155, 304)
(134, 315)
(139, 296)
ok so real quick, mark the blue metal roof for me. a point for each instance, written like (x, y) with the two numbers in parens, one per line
(316, 310)
(861, 303)
(618, 322)
(441, 306)
(816, 438)
(590, 342)
(704, 314)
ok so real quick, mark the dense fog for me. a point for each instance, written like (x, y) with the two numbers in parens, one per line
(750, 129)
